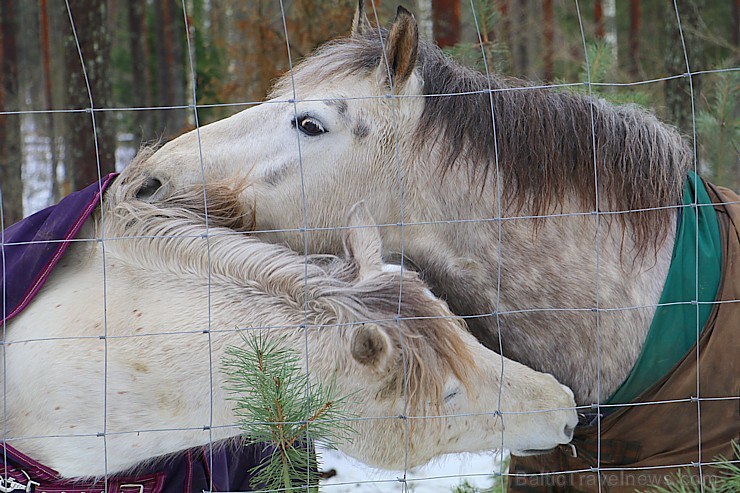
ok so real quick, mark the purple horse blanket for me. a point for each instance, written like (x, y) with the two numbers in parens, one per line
(32, 247)
(30, 250)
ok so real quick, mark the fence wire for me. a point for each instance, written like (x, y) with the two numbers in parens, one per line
(403, 483)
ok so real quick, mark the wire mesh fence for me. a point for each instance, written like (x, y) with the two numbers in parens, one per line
(602, 217)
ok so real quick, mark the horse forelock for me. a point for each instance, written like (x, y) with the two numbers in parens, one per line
(544, 147)
(433, 350)
(340, 57)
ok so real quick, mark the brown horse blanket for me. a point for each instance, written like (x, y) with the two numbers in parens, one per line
(643, 444)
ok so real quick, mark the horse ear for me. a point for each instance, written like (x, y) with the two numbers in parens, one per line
(401, 48)
(362, 241)
(360, 24)
(371, 346)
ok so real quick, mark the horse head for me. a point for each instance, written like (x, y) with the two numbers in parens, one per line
(327, 128)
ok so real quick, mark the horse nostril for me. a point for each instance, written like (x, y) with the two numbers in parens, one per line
(149, 188)
(568, 431)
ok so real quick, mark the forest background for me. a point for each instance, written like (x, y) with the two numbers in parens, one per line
(142, 80)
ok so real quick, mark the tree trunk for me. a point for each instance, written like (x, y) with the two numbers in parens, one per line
(139, 46)
(424, 16)
(634, 41)
(677, 91)
(90, 21)
(504, 36)
(164, 64)
(170, 77)
(736, 24)
(446, 20)
(599, 19)
(610, 26)
(49, 99)
(181, 73)
(521, 50)
(548, 40)
(11, 184)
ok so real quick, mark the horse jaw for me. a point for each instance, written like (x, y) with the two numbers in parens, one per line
(536, 413)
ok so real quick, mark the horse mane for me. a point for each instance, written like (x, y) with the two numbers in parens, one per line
(169, 234)
(422, 329)
(545, 137)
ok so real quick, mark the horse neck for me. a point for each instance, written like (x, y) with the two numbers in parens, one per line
(207, 291)
(272, 284)
(522, 269)
(186, 249)
(172, 306)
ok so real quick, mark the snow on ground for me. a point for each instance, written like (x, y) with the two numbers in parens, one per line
(439, 476)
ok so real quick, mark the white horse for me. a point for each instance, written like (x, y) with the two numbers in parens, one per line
(117, 360)
(369, 118)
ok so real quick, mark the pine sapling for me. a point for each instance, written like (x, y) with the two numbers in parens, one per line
(278, 404)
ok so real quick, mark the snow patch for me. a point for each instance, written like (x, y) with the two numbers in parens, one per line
(439, 476)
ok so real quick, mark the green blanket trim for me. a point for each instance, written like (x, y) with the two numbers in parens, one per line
(676, 325)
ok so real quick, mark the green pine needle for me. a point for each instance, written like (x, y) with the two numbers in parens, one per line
(276, 403)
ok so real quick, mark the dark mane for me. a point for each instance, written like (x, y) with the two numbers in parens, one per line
(545, 143)
(544, 137)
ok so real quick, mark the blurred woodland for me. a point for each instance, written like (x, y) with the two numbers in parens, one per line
(144, 60)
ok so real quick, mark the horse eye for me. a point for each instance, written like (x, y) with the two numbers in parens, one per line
(309, 126)
(450, 395)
